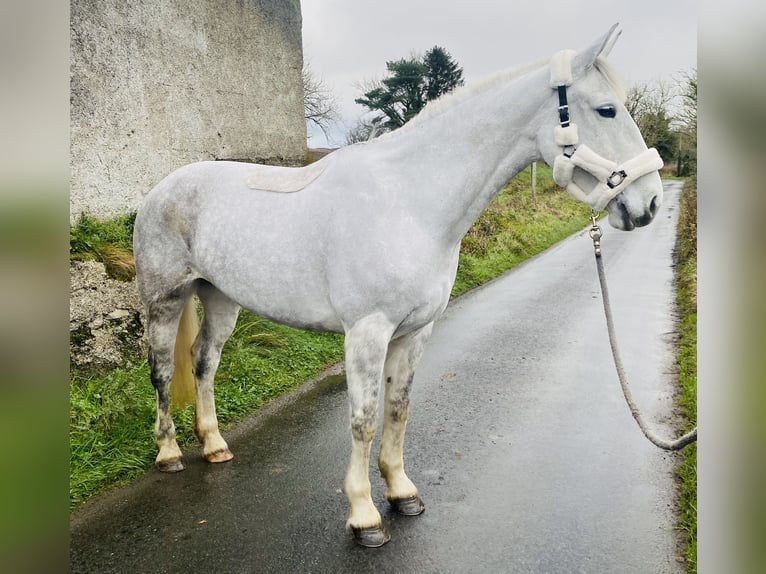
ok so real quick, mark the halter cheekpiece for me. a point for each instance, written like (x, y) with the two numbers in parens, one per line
(612, 178)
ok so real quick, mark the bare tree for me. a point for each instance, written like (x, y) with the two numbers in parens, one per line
(365, 130)
(666, 114)
(319, 103)
(687, 125)
(687, 116)
(650, 105)
(650, 99)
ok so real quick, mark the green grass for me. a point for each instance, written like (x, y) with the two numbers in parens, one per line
(112, 413)
(515, 227)
(110, 242)
(686, 279)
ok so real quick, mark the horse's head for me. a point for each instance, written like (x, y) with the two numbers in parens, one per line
(596, 149)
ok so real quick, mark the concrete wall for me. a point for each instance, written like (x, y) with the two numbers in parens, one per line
(157, 84)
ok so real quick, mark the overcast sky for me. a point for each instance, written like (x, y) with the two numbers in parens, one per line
(348, 41)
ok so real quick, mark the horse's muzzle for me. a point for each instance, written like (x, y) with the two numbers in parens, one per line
(627, 219)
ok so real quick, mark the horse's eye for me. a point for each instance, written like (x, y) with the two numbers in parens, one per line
(607, 111)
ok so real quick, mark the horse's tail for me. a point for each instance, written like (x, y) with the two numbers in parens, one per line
(182, 388)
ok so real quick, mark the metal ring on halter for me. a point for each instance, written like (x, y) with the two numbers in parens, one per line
(616, 178)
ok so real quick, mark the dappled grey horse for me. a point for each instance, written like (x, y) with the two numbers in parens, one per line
(365, 242)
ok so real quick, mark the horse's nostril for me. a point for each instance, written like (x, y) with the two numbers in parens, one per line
(653, 206)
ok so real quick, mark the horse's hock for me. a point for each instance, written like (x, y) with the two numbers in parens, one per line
(105, 317)
(157, 85)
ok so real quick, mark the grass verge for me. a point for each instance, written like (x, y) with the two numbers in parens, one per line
(112, 412)
(686, 279)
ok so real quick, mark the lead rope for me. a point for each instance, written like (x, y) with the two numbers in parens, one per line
(690, 437)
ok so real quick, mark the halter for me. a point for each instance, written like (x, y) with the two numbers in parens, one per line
(612, 178)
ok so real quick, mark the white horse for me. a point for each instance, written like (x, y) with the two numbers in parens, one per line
(365, 242)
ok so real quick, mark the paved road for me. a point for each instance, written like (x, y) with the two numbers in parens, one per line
(523, 449)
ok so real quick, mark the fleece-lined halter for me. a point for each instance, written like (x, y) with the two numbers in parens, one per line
(613, 178)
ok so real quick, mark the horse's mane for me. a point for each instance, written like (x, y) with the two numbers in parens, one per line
(437, 107)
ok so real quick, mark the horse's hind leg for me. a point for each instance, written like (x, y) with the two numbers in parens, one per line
(217, 325)
(162, 327)
(366, 344)
(403, 355)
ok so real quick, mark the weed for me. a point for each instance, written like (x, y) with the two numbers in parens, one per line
(109, 241)
(686, 282)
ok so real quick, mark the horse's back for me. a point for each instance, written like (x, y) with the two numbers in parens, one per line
(212, 192)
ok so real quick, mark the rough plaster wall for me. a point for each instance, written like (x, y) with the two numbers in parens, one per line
(159, 84)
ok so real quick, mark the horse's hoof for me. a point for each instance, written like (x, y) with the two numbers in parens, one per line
(411, 506)
(374, 537)
(173, 465)
(219, 456)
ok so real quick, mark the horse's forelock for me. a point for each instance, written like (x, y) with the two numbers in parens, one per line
(612, 77)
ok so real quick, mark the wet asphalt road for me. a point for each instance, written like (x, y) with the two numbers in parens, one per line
(524, 451)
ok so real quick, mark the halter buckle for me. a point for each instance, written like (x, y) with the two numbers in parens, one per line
(616, 178)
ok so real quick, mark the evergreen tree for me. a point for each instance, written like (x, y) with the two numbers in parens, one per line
(412, 83)
(443, 73)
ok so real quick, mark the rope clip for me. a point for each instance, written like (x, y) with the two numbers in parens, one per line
(595, 233)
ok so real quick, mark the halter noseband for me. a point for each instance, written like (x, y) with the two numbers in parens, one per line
(612, 178)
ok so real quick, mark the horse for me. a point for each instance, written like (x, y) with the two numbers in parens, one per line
(365, 242)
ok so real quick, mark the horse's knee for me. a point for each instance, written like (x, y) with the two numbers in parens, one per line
(397, 398)
(364, 423)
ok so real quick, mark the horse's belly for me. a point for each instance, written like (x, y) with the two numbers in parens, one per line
(302, 314)
(286, 291)
(297, 302)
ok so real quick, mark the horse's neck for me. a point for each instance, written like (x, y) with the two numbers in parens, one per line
(456, 162)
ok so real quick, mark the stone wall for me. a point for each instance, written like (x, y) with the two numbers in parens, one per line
(159, 84)
(106, 319)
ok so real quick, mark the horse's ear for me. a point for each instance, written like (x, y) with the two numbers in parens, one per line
(601, 47)
(612, 35)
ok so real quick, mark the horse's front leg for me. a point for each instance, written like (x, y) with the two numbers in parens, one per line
(403, 355)
(365, 346)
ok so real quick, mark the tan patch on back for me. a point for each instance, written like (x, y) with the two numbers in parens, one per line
(284, 179)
